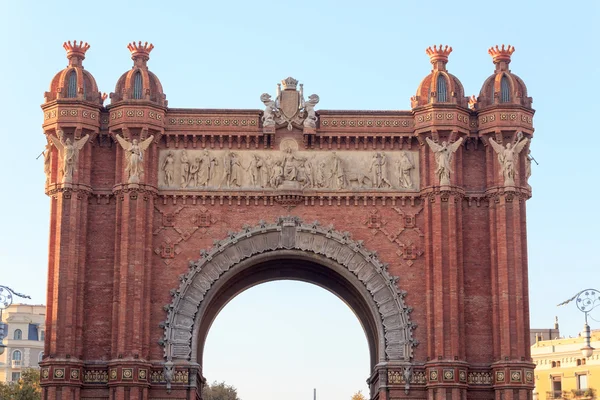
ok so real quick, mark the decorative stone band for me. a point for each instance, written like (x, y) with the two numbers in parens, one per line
(290, 233)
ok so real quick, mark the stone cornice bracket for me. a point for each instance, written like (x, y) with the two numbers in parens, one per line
(509, 193)
(444, 193)
(134, 189)
(68, 189)
(290, 233)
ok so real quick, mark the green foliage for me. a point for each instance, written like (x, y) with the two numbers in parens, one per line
(27, 388)
(219, 391)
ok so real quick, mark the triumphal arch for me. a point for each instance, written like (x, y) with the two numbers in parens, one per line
(160, 216)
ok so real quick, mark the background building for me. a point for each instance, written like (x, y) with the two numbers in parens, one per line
(544, 334)
(562, 372)
(24, 332)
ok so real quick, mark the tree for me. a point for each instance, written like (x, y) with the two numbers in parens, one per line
(219, 391)
(27, 388)
(358, 396)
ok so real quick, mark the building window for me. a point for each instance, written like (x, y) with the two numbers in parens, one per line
(582, 382)
(137, 85)
(504, 90)
(42, 335)
(18, 335)
(16, 357)
(556, 388)
(41, 357)
(15, 376)
(441, 89)
(72, 88)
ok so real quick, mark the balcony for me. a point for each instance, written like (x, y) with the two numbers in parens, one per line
(16, 364)
(583, 394)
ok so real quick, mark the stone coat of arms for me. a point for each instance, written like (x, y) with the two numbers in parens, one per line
(289, 107)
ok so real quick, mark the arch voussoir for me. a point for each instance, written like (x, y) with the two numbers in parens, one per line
(289, 233)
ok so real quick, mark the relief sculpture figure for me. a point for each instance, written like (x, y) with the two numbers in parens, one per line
(194, 172)
(277, 174)
(134, 154)
(206, 168)
(168, 168)
(290, 168)
(322, 176)
(68, 152)
(255, 168)
(268, 172)
(378, 171)
(337, 172)
(507, 156)
(307, 173)
(185, 169)
(443, 157)
(405, 165)
(231, 170)
(236, 170)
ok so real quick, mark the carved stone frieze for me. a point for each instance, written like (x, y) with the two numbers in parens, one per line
(288, 169)
(290, 233)
(479, 378)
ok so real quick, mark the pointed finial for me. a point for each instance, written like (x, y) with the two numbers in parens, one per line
(500, 54)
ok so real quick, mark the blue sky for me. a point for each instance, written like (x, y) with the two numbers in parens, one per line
(354, 55)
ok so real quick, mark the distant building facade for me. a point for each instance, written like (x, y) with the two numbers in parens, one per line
(536, 335)
(24, 333)
(562, 372)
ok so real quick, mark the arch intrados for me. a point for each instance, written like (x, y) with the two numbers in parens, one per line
(327, 247)
(289, 265)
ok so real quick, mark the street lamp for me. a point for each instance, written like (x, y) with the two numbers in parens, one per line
(6, 299)
(586, 301)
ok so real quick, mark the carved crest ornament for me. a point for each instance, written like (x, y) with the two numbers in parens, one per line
(289, 107)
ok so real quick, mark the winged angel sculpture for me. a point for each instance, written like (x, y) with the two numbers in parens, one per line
(68, 152)
(443, 158)
(134, 154)
(507, 156)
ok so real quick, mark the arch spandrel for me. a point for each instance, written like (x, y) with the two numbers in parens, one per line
(360, 266)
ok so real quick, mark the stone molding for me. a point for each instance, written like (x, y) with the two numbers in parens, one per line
(290, 233)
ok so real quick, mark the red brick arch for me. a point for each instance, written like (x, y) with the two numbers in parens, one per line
(290, 249)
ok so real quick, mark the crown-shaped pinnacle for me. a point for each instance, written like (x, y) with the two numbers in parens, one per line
(289, 83)
(438, 54)
(501, 53)
(76, 49)
(138, 49)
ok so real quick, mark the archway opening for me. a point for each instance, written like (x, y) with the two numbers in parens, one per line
(291, 250)
(288, 265)
(284, 338)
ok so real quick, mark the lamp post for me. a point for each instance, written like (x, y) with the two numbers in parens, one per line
(6, 299)
(586, 300)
